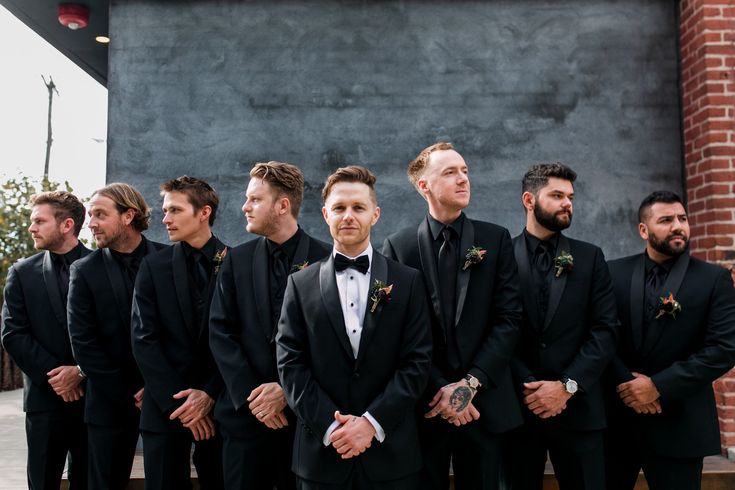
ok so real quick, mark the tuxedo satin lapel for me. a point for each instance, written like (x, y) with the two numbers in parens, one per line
(428, 265)
(637, 281)
(181, 285)
(557, 284)
(672, 285)
(520, 251)
(330, 299)
(52, 288)
(119, 291)
(261, 281)
(463, 278)
(302, 252)
(378, 272)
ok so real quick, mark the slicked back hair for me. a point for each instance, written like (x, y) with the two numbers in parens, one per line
(284, 178)
(125, 197)
(198, 192)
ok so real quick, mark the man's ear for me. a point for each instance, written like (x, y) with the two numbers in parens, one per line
(643, 231)
(528, 200)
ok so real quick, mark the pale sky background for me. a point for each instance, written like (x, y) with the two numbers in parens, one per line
(79, 114)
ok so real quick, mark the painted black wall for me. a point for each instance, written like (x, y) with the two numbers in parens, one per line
(209, 88)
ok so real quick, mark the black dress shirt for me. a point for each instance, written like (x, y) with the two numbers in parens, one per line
(541, 254)
(281, 263)
(129, 264)
(61, 268)
(199, 271)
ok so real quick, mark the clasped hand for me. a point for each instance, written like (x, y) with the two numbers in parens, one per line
(640, 394)
(454, 403)
(267, 404)
(545, 398)
(353, 436)
(65, 381)
(194, 413)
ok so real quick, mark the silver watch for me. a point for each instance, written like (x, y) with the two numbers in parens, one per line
(570, 385)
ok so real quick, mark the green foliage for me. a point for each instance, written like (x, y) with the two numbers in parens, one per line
(15, 217)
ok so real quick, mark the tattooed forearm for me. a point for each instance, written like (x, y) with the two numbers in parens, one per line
(460, 398)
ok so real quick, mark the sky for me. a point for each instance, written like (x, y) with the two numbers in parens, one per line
(79, 112)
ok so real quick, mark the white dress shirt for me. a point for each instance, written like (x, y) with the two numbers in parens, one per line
(354, 289)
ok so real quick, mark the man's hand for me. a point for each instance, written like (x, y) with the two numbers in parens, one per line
(139, 398)
(466, 416)
(451, 400)
(650, 409)
(198, 404)
(353, 436)
(638, 391)
(545, 398)
(267, 402)
(202, 429)
(73, 395)
(64, 379)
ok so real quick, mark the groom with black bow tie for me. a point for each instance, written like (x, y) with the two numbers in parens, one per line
(354, 353)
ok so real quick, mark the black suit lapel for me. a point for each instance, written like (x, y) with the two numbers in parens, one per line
(119, 290)
(637, 280)
(302, 253)
(428, 265)
(520, 250)
(557, 283)
(261, 280)
(672, 285)
(378, 272)
(149, 247)
(330, 299)
(52, 288)
(181, 284)
(463, 279)
(220, 251)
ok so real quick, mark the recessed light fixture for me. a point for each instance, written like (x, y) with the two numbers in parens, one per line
(102, 39)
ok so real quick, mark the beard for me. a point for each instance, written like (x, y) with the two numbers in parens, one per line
(267, 227)
(111, 240)
(53, 242)
(664, 246)
(550, 221)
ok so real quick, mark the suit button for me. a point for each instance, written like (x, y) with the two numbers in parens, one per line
(356, 375)
(542, 345)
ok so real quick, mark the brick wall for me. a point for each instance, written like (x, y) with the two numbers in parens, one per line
(707, 44)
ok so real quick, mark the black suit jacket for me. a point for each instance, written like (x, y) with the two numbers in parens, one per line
(170, 344)
(320, 374)
(99, 325)
(682, 355)
(241, 330)
(487, 321)
(578, 336)
(34, 330)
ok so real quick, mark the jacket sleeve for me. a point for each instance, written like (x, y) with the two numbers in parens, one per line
(17, 337)
(717, 354)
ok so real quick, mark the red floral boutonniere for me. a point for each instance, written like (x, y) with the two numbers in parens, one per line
(218, 258)
(564, 262)
(299, 267)
(474, 255)
(668, 306)
(379, 293)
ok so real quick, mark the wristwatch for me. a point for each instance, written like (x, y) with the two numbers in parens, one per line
(81, 373)
(570, 385)
(473, 382)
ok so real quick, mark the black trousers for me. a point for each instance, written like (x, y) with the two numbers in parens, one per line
(111, 452)
(167, 456)
(577, 457)
(475, 455)
(358, 480)
(259, 462)
(627, 452)
(51, 436)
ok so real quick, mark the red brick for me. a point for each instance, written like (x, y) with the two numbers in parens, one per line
(722, 176)
(695, 207)
(725, 49)
(719, 24)
(716, 228)
(712, 37)
(721, 125)
(726, 100)
(716, 75)
(719, 151)
(712, 12)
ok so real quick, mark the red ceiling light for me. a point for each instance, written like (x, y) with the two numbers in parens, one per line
(73, 15)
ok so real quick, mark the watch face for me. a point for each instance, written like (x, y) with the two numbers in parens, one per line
(571, 386)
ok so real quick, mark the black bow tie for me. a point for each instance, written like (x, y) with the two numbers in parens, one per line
(360, 264)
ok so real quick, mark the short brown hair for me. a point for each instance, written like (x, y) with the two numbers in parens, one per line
(65, 205)
(285, 178)
(538, 176)
(417, 166)
(353, 173)
(198, 192)
(125, 197)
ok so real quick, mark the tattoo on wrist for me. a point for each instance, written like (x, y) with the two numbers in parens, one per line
(460, 398)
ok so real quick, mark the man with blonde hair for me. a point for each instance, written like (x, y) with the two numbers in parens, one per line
(99, 308)
(256, 425)
(34, 333)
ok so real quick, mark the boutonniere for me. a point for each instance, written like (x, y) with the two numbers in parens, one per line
(474, 255)
(299, 267)
(668, 306)
(218, 258)
(379, 293)
(564, 262)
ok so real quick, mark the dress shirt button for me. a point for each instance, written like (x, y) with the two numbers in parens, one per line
(351, 277)
(352, 304)
(354, 331)
(356, 375)
(542, 345)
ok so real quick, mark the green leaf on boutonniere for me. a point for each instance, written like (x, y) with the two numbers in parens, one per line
(564, 262)
(474, 255)
(668, 306)
(379, 293)
(299, 267)
(218, 258)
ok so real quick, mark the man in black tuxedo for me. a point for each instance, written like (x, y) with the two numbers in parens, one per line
(354, 353)
(35, 335)
(472, 283)
(98, 310)
(677, 336)
(568, 336)
(170, 316)
(256, 424)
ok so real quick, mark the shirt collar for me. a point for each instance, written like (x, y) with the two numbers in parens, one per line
(208, 250)
(288, 247)
(368, 251)
(533, 242)
(437, 226)
(666, 265)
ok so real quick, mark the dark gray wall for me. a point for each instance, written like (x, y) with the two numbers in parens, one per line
(208, 88)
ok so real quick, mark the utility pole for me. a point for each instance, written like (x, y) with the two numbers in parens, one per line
(51, 89)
